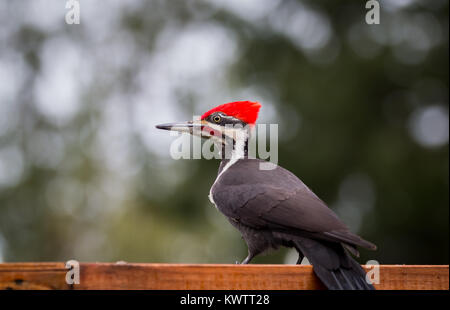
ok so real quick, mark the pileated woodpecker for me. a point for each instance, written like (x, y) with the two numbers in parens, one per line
(273, 208)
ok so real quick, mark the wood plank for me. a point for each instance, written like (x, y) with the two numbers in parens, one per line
(107, 276)
(33, 276)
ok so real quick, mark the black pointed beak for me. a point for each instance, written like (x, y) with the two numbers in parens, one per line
(172, 126)
(196, 128)
(181, 126)
(164, 126)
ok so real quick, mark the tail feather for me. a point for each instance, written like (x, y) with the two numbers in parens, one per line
(333, 265)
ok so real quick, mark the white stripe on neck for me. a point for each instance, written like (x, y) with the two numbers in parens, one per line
(237, 153)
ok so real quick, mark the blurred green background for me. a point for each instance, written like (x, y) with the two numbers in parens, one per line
(362, 113)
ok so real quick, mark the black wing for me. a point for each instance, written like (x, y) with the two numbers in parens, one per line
(277, 200)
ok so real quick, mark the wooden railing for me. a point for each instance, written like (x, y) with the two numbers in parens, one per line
(198, 277)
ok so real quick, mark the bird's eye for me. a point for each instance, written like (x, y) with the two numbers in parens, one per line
(217, 118)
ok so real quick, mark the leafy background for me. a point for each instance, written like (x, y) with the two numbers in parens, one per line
(362, 110)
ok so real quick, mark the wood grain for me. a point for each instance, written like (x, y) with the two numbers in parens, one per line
(110, 276)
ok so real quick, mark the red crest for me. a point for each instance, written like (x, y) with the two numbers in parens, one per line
(246, 111)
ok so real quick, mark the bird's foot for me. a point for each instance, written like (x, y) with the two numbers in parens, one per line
(247, 260)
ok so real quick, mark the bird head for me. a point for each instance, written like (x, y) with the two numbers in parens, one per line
(226, 122)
